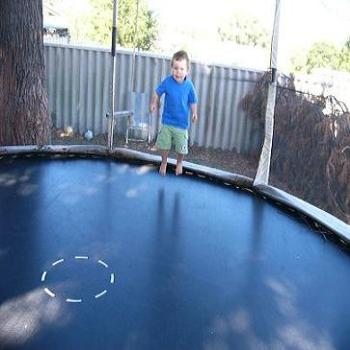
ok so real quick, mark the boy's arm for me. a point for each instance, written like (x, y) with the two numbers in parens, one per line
(154, 102)
(194, 112)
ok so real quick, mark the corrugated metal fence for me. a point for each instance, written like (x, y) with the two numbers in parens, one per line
(79, 88)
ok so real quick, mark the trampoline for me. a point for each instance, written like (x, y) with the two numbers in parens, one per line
(103, 253)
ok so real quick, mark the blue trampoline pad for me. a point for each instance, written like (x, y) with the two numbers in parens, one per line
(99, 254)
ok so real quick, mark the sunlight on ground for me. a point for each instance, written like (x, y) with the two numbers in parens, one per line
(144, 169)
(123, 168)
(7, 180)
(22, 317)
(25, 188)
(292, 331)
(135, 192)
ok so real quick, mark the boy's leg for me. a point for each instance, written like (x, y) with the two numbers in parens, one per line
(179, 159)
(163, 143)
(181, 148)
(162, 169)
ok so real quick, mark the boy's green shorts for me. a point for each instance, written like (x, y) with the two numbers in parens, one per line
(169, 135)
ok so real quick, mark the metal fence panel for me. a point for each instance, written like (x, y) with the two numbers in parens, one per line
(79, 88)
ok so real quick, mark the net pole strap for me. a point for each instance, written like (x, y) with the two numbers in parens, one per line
(263, 172)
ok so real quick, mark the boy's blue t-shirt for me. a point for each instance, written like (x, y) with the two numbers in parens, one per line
(178, 98)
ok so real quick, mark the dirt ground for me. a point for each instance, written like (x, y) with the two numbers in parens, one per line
(229, 161)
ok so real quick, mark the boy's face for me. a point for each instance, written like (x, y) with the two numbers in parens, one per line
(179, 70)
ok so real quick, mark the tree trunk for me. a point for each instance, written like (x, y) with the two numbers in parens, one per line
(24, 116)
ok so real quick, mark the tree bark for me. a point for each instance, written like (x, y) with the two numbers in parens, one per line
(24, 118)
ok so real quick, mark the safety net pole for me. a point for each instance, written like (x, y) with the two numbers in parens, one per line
(263, 172)
(111, 120)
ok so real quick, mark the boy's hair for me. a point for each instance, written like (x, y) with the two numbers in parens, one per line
(181, 55)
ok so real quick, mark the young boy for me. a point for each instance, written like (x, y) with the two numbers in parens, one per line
(180, 98)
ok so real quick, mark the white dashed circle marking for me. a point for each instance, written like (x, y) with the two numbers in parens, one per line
(51, 293)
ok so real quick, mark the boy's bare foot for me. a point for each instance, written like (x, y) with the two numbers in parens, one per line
(162, 169)
(178, 170)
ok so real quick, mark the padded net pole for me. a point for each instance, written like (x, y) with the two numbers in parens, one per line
(111, 120)
(263, 172)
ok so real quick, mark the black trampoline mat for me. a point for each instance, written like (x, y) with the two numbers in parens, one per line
(96, 254)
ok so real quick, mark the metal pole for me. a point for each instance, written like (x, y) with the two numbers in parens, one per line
(111, 120)
(274, 42)
(134, 49)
